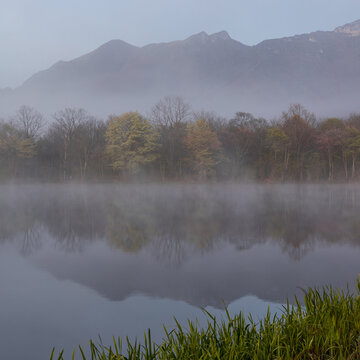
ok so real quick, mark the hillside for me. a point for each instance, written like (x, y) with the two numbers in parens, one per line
(320, 70)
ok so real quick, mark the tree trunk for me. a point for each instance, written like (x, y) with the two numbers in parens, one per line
(353, 167)
(330, 165)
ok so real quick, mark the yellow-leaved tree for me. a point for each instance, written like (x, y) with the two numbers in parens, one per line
(203, 147)
(14, 147)
(131, 143)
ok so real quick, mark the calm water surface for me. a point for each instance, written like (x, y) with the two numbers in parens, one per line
(80, 261)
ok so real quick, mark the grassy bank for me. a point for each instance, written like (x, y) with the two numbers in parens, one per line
(325, 326)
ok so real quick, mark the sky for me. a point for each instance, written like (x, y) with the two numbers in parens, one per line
(35, 34)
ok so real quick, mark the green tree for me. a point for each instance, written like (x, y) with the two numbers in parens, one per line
(203, 146)
(131, 143)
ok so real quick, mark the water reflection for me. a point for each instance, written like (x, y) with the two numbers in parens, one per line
(151, 236)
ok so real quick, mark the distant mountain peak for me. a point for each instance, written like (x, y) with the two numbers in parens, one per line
(352, 29)
(222, 35)
(204, 37)
(200, 37)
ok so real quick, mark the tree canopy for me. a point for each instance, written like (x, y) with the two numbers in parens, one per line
(131, 142)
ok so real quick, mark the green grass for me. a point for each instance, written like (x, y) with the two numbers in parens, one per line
(325, 326)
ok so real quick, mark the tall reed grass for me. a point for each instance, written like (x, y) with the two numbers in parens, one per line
(326, 325)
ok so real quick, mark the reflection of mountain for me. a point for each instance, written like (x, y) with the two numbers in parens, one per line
(208, 279)
(179, 241)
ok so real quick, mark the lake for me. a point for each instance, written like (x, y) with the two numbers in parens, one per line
(79, 261)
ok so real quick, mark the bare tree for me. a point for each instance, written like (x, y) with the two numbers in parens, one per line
(298, 125)
(299, 111)
(90, 144)
(170, 116)
(29, 121)
(216, 122)
(170, 111)
(67, 123)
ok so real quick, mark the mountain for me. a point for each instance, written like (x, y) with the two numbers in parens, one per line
(352, 29)
(320, 70)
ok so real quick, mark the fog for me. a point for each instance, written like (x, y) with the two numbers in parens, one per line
(264, 102)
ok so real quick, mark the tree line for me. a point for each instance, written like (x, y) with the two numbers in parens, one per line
(174, 143)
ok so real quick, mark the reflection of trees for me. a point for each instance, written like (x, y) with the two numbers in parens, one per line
(289, 222)
(19, 223)
(168, 223)
(169, 250)
(129, 228)
(31, 240)
(74, 218)
(172, 222)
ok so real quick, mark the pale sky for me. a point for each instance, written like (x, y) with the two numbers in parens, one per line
(34, 34)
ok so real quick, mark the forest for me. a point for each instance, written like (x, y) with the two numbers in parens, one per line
(174, 143)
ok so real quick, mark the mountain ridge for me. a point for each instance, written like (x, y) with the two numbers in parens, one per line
(209, 70)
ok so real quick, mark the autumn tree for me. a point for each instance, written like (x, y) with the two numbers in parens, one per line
(131, 143)
(14, 146)
(203, 147)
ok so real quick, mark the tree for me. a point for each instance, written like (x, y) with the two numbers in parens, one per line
(170, 116)
(90, 145)
(330, 142)
(203, 146)
(351, 143)
(278, 142)
(243, 142)
(29, 121)
(298, 125)
(67, 123)
(354, 121)
(14, 146)
(131, 142)
(216, 122)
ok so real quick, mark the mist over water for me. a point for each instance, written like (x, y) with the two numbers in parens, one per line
(82, 260)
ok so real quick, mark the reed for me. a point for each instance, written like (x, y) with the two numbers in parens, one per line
(326, 325)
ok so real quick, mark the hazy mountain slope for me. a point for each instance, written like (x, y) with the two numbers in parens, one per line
(321, 70)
